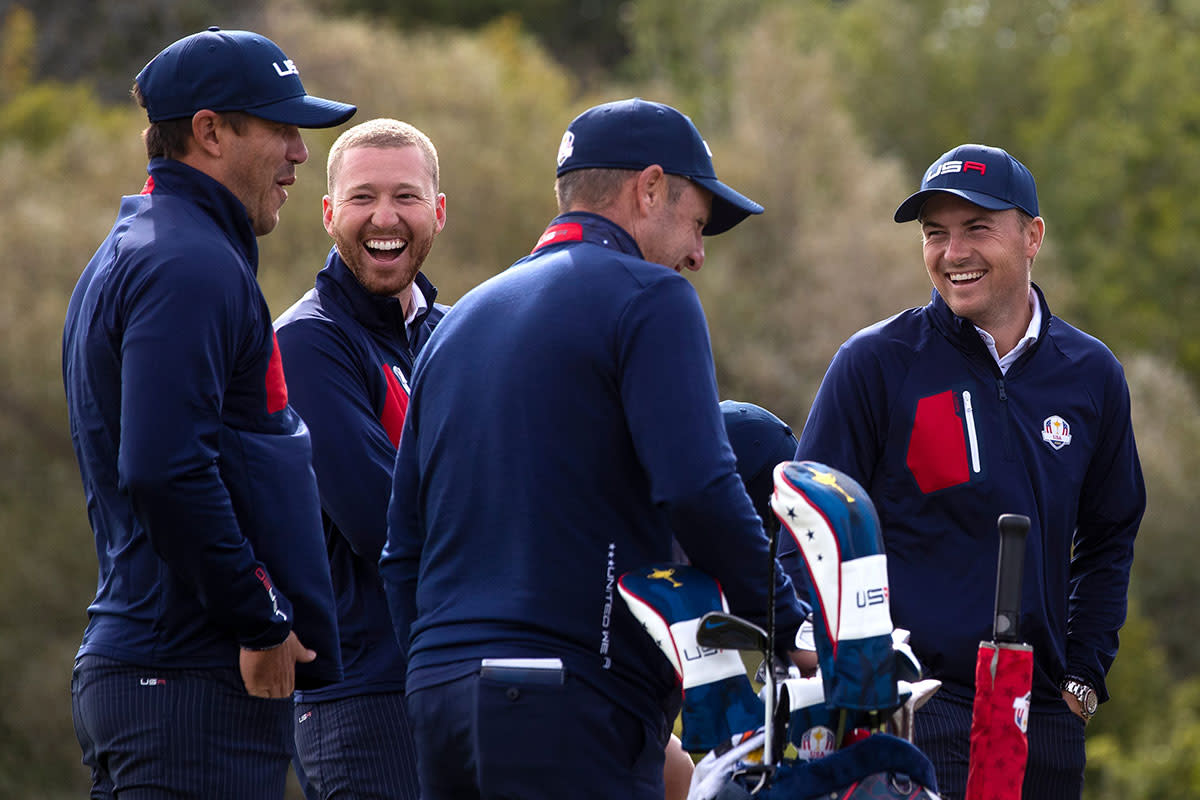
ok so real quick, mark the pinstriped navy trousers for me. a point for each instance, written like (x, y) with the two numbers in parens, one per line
(178, 733)
(942, 730)
(360, 747)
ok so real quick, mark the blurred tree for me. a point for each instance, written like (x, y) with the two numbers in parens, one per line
(1119, 146)
(584, 35)
(689, 45)
(1166, 418)
(106, 43)
(784, 290)
(17, 42)
(1143, 743)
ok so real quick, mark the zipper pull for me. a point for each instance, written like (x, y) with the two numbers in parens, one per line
(972, 437)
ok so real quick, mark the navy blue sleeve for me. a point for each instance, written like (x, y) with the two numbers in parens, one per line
(181, 343)
(329, 384)
(1112, 501)
(680, 439)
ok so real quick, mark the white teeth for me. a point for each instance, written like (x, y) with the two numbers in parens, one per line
(965, 276)
(386, 244)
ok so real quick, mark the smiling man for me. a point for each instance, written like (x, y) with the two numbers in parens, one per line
(348, 347)
(978, 404)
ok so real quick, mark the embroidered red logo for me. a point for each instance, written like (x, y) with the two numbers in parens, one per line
(395, 406)
(562, 232)
(148, 186)
(277, 397)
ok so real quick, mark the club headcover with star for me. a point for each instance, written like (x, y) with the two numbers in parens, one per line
(836, 529)
(718, 700)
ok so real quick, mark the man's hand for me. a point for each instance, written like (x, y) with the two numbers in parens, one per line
(272, 673)
(1073, 704)
(805, 661)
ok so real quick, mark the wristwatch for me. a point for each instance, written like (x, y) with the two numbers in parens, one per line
(1088, 699)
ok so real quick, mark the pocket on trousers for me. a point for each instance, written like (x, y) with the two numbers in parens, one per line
(522, 723)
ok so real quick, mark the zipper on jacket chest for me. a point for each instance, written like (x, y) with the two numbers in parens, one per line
(1005, 417)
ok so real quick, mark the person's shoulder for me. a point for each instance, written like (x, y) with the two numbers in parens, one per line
(903, 330)
(171, 230)
(1075, 341)
(1079, 347)
(312, 324)
(307, 312)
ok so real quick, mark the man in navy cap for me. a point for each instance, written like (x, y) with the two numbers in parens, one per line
(563, 426)
(978, 404)
(214, 597)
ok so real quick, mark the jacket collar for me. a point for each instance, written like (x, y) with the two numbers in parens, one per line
(171, 177)
(373, 311)
(961, 331)
(583, 226)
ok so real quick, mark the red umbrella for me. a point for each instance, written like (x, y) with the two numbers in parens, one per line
(1003, 679)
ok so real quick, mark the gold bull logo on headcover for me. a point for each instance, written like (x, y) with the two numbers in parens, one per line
(664, 575)
(829, 479)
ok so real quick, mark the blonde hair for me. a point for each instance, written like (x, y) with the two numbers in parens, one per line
(382, 132)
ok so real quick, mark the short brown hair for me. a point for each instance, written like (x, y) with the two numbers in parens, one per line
(382, 132)
(597, 188)
(171, 138)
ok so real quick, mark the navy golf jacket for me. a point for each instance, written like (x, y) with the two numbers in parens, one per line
(197, 473)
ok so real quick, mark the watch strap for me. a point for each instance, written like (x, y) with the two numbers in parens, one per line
(1083, 692)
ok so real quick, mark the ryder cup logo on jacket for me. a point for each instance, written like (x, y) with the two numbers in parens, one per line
(1056, 432)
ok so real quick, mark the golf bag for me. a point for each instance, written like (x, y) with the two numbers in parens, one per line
(866, 673)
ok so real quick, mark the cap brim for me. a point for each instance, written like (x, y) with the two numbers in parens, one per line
(910, 209)
(306, 111)
(728, 207)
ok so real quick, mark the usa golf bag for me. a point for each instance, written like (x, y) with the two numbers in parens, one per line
(838, 721)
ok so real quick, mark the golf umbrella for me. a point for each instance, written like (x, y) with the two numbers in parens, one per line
(1003, 679)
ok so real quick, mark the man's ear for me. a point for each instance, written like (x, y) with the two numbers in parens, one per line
(207, 131)
(1035, 233)
(651, 188)
(327, 214)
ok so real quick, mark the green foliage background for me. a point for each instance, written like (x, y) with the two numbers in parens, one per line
(826, 112)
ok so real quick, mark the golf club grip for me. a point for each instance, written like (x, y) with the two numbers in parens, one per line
(1013, 530)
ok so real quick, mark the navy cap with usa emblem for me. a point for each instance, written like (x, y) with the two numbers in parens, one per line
(635, 134)
(233, 71)
(986, 176)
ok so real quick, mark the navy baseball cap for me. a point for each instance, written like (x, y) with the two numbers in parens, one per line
(760, 440)
(233, 71)
(986, 176)
(635, 133)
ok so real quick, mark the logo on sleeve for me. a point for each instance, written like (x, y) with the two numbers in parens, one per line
(1056, 432)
